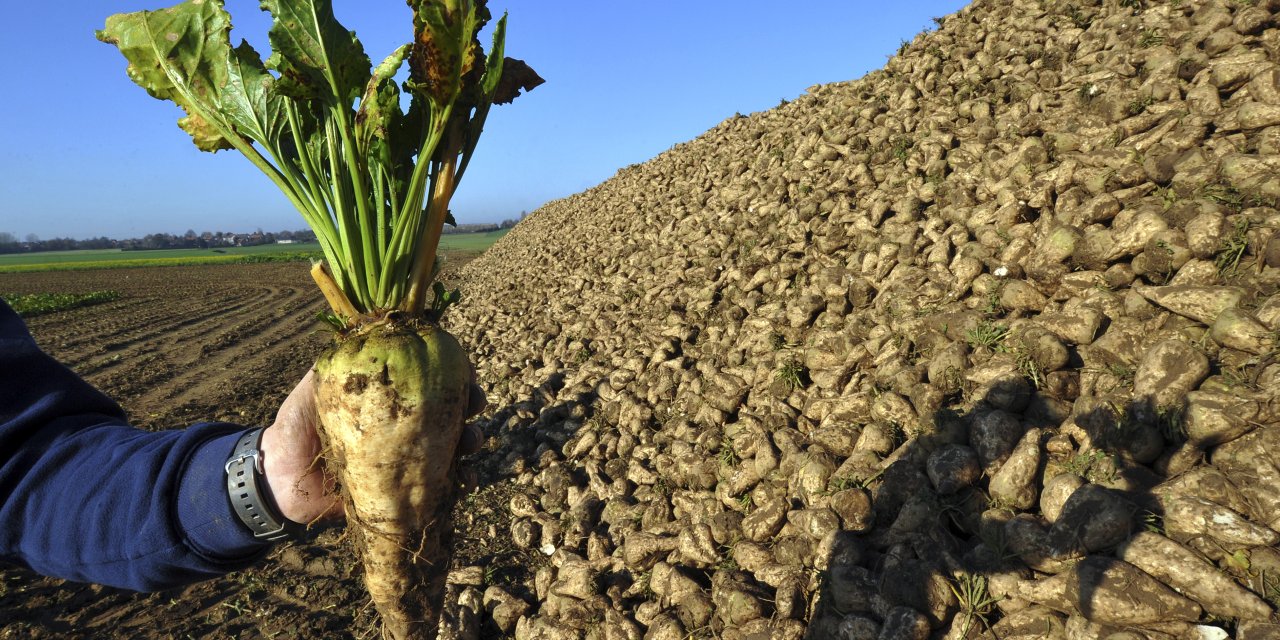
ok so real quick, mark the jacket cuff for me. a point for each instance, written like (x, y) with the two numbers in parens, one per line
(209, 525)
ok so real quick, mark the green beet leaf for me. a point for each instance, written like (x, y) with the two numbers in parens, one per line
(250, 100)
(178, 54)
(380, 106)
(316, 56)
(373, 181)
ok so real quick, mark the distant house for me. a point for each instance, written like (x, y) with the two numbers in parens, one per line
(284, 241)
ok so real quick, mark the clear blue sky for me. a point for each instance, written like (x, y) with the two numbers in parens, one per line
(84, 152)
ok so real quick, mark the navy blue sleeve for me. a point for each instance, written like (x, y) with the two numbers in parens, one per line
(86, 497)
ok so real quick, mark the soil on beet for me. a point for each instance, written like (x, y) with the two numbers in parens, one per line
(185, 345)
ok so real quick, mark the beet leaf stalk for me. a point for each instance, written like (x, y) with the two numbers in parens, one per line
(373, 180)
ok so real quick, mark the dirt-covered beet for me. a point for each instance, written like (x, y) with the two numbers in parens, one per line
(392, 398)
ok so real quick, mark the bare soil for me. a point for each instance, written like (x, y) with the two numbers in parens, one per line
(184, 345)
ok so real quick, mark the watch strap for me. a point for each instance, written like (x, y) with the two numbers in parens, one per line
(251, 497)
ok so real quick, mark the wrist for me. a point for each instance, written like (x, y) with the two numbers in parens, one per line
(250, 491)
(204, 513)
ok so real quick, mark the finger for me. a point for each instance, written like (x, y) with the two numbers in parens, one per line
(298, 411)
(476, 400)
(471, 440)
(306, 387)
(334, 513)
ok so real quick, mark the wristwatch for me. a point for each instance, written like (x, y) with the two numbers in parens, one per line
(251, 497)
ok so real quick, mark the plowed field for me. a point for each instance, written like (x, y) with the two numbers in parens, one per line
(183, 345)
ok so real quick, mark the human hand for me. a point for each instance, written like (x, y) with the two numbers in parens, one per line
(291, 461)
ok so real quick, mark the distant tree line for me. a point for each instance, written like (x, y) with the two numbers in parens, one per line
(484, 227)
(10, 243)
(31, 243)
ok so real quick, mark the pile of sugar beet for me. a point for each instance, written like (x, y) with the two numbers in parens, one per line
(983, 344)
